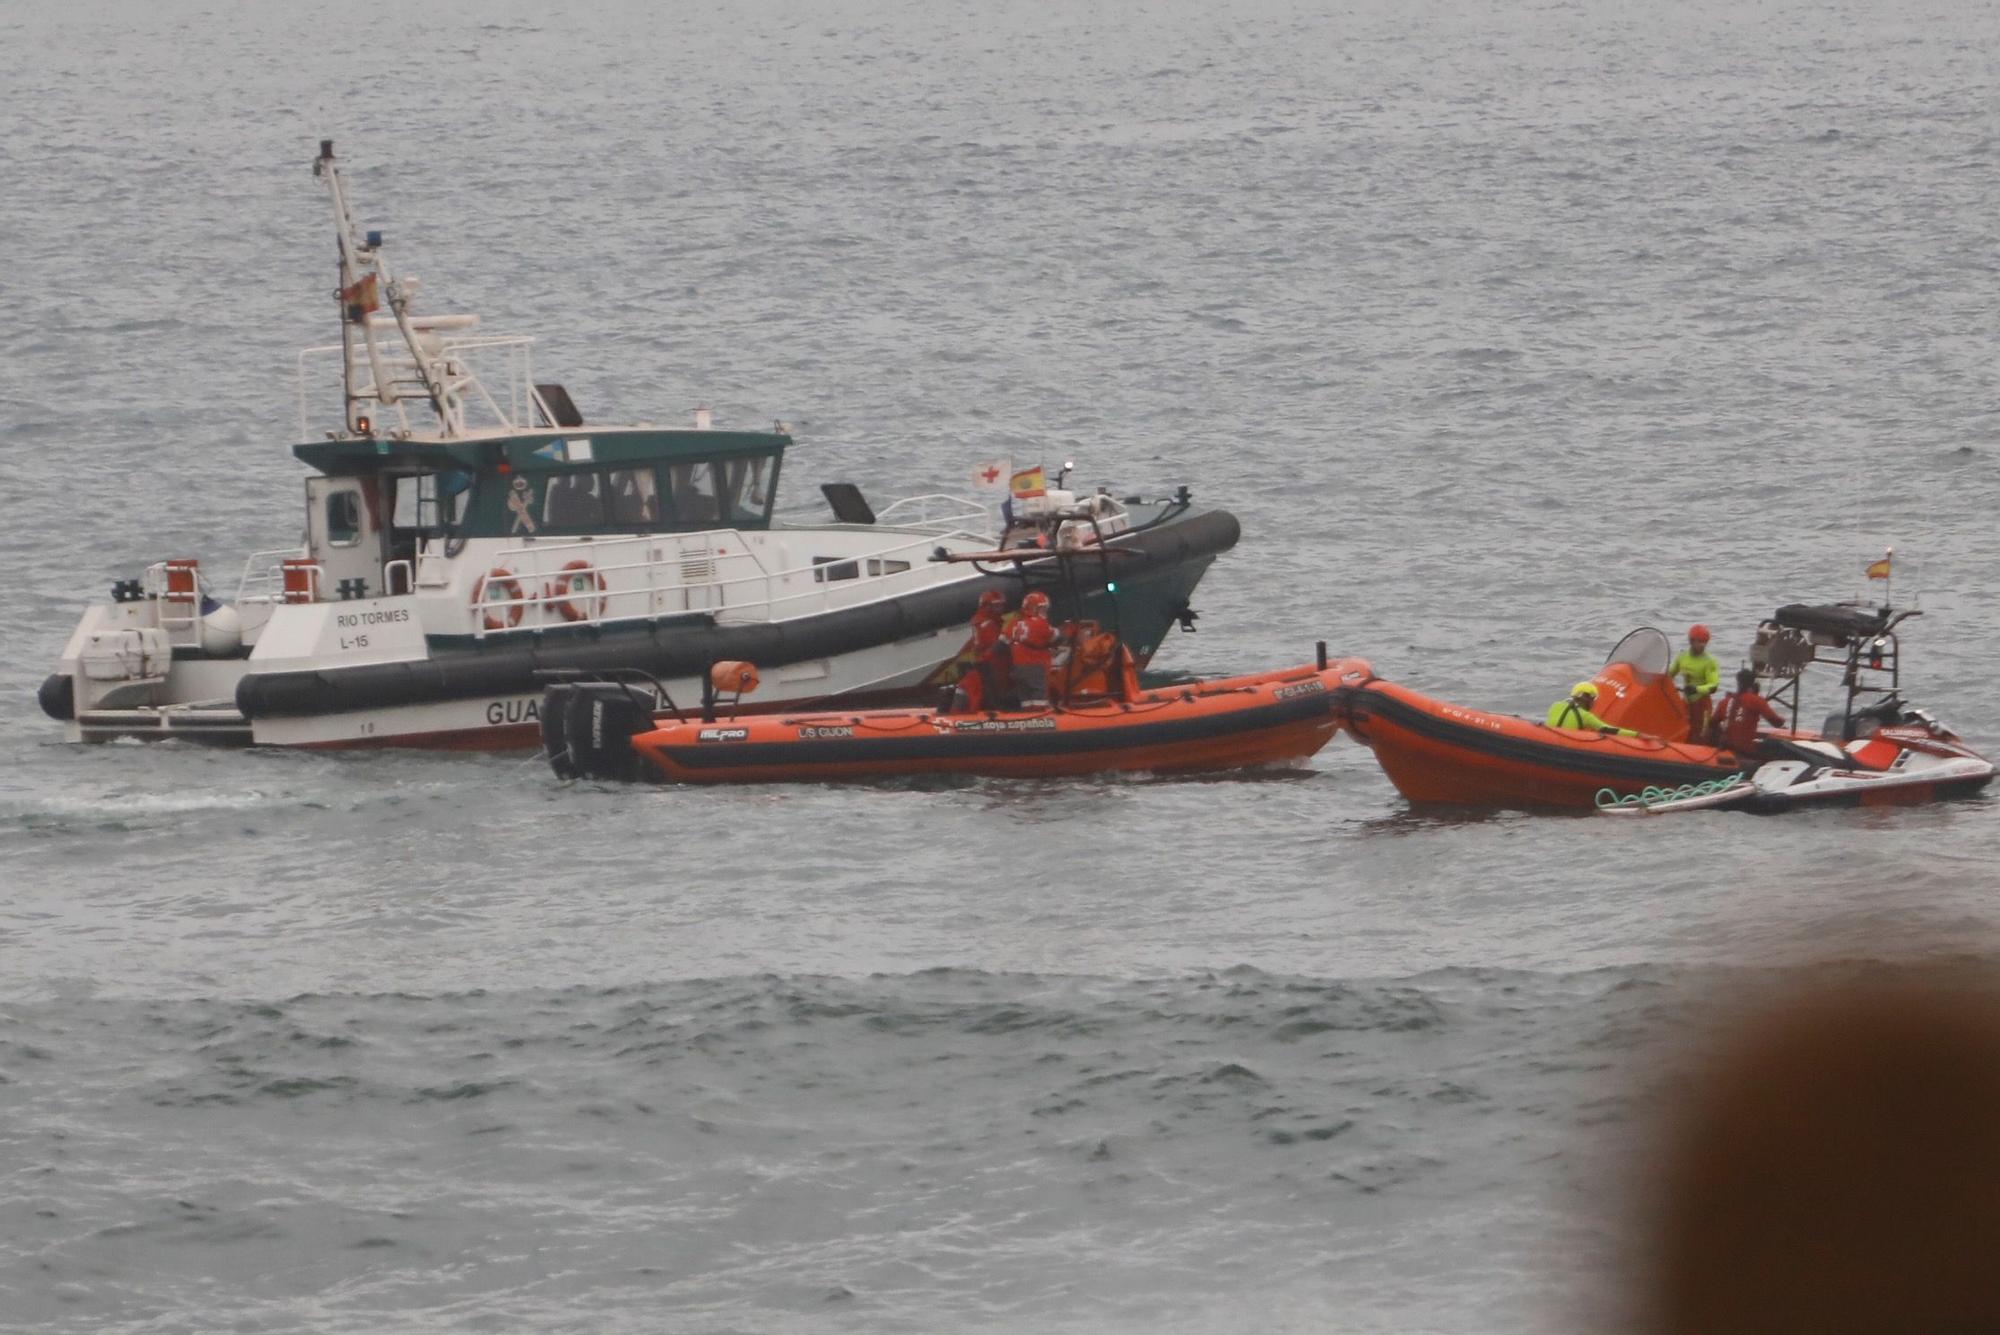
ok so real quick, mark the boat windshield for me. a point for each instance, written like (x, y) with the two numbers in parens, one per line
(1646, 649)
(432, 503)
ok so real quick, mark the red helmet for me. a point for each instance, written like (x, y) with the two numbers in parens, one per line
(1697, 634)
(992, 598)
(1035, 604)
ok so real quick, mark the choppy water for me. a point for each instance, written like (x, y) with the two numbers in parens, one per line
(1503, 329)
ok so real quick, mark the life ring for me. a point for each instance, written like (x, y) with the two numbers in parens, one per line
(570, 591)
(510, 604)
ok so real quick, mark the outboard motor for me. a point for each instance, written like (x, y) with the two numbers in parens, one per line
(588, 727)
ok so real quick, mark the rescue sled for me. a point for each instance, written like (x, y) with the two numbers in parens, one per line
(1872, 750)
(626, 730)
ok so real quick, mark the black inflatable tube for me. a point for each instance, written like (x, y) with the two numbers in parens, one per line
(58, 696)
(684, 648)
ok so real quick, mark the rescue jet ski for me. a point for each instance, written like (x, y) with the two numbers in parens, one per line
(1871, 750)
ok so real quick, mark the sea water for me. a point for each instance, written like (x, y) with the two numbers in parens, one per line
(1503, 329)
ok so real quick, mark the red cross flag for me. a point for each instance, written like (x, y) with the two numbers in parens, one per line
(992, 476)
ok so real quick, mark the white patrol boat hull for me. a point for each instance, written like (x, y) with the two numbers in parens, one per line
(429, 669)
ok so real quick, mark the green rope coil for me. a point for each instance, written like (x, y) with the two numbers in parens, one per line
(1651, 796)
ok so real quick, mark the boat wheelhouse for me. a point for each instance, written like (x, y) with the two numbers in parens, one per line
(468, 528)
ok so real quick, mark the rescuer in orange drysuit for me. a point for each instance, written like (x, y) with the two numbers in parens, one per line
(1737, 715)
(1029, 640)
(984, 685)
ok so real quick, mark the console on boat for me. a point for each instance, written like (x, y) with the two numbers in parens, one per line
(468, 526)
(1872, 749)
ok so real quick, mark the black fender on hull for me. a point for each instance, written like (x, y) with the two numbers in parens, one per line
(58, 696)
(685, 646)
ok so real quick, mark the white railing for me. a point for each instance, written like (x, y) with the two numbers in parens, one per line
(263, 579)
(459, 384)
(625, 590)
(934, 511)
(179, 609)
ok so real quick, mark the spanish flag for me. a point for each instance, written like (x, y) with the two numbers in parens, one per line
(1029, 483)
(1880, 569)
(359, 298)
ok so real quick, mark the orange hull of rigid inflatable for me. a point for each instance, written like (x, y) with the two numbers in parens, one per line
(1214, 725)
(1443, 753)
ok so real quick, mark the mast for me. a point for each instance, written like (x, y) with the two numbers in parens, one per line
(366, 281)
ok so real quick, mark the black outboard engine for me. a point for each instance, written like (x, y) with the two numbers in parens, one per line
(588, 727)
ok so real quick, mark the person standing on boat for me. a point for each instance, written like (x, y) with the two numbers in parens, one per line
(1739, 713)
(1573, 711)
(984, 685)
(1699, 675)
(1029, 641)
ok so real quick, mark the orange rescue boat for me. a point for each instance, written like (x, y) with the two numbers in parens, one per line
(1445, 753)
(626, 730)
(1434, 751)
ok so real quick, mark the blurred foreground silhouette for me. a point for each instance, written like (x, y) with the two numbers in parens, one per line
(1835, 1167)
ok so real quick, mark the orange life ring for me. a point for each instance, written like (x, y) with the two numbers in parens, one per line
(571, 589)
(501, 580)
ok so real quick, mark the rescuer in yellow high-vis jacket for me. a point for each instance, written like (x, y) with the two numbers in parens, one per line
(1573, 711)
(1699, 675)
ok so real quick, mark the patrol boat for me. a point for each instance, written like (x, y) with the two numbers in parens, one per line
(463, 534)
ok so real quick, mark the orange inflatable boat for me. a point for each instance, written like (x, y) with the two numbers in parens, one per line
(619, 730)
(1445, 753)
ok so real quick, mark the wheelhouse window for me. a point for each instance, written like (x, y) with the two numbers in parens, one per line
(693, 491)
(635, 497)
(612, 497)
(745, 490)
(454, 496)
(343, 518)
(574, 500)
(432, 502)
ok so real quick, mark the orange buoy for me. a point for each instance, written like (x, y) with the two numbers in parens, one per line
(733, 677)
(574, 588)
(506, 606)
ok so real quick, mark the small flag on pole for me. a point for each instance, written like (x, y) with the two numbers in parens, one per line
(993, 475)
(1028, 484)
(359, 298)
(1880, 569)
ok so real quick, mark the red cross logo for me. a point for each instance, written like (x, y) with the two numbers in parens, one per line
(990, 473)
